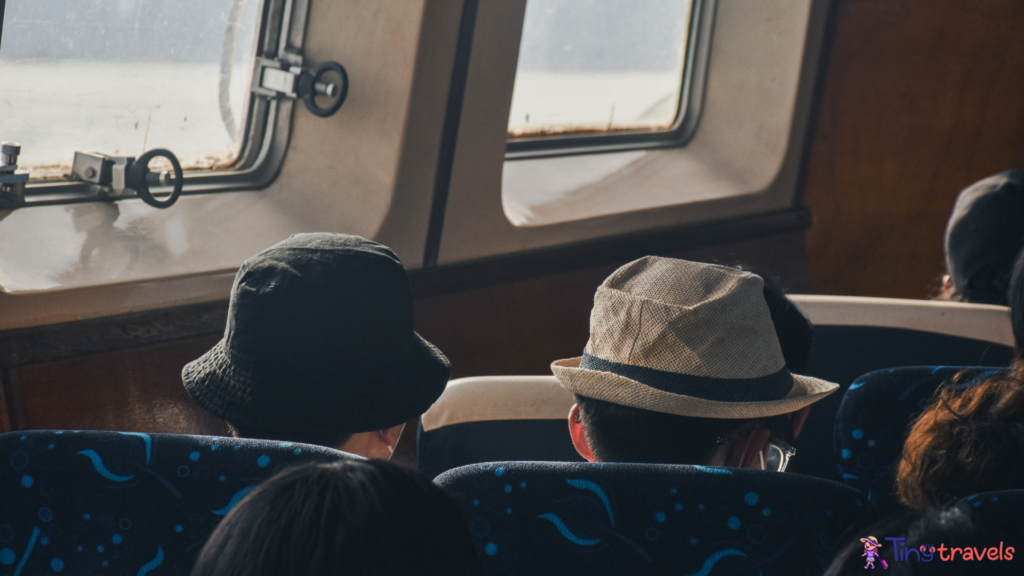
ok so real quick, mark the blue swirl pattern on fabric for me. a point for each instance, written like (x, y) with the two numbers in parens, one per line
(711, 469)
(28, 550)
(709, 564)
(593, 487)
(146, 439)
(234, 500)
(97, 463)
(566, 533)
(152, 564)
(111, 503)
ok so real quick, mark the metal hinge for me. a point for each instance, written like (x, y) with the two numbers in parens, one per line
(287, 78)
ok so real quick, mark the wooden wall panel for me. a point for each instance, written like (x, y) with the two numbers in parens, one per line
(134, 389)
(5, 419)
(520, 327)
(921, 98)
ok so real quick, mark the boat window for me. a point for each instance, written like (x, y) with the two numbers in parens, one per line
(124, 76)
(599, 68)
(107, 99)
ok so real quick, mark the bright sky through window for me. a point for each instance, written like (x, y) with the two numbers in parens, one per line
(599, 65)
(124, 76)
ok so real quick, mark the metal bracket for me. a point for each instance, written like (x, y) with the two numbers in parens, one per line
(277, 77)
(12, 180)
(107, 173)
(118, 176)
(286, 77)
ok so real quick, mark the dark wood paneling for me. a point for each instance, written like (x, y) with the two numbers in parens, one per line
(5, 418)
(520, 327)
(68, 340)
(921, 98)
(135, 389)
(603, 252)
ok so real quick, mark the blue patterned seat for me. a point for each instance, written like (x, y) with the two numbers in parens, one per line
(581, 518)
(124, 503)
(1004, 508)
(873, 421)
(853, 336)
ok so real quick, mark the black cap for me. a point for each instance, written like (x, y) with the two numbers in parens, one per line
(319, 337)
(984, 235)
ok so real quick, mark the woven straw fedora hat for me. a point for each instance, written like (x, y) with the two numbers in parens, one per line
(689, 339)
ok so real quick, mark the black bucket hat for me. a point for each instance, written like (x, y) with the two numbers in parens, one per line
(984, 235)
(319, 337)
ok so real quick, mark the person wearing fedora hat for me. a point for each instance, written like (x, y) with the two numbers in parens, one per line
(683, 366)
(320, 348)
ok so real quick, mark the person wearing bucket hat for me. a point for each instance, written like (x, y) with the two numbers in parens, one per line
(984, 235)
(320, 348)
(683, 366)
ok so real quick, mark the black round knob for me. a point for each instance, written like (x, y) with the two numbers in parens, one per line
(138, 172)
(310, 86)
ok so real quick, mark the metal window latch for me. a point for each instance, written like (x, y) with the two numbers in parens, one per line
(119, 176)
(288, 78)
(12, 180)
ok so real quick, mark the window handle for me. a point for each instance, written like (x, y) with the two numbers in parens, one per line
(124, 175)
(12, 180)
(275, 78)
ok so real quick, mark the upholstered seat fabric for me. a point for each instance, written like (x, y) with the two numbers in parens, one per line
(841, 353)
(570, 518)
(124, 502)
(873, 421)
(1003, 509)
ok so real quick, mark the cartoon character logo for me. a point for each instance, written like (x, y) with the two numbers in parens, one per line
(871, 547)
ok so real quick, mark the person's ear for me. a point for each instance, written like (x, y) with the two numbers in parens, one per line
(745, 450)
(390, 436)
(798, 419)
(579, 437)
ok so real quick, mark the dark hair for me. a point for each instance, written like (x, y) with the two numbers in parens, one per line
(794, 330)
(953, 527)
(329, 438)
(1015, 297)
(618, 433)
(968, 440)
(365, 517)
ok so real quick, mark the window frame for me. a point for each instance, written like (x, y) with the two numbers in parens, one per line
(267, 127)
(691, 97)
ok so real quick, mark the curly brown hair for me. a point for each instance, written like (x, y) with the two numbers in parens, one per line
(970, 439)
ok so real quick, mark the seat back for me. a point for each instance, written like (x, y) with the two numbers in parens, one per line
(873, 421)
(582, 518)
(1003, 509)
(124, 502)
(490, 418)
(853, 336)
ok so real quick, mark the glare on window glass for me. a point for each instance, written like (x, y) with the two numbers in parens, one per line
(599, 65)
(124, 76)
